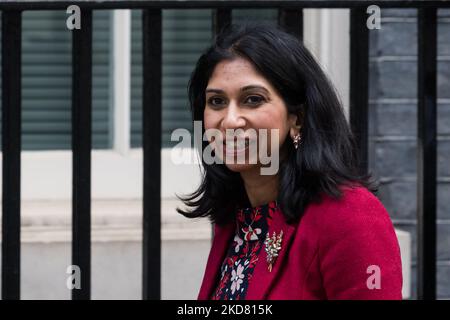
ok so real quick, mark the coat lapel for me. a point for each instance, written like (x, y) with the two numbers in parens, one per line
(263, 278)
(222, 239)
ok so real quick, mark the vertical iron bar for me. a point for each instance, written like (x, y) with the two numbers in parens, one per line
(81, 152)
(359, 79)
(11, 146)
(291, 21)
(221, 18)
(151, 114)
(426, 156)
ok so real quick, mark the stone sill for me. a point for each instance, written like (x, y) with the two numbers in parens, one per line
(111, 220)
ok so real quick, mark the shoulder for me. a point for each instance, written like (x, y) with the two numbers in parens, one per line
(357, 224)
(356, 204)
(352, 198)
(357, 214)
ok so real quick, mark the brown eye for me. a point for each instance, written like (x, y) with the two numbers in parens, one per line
(215, 102)
(255, 99)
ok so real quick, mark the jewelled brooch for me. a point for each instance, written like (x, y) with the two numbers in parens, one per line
(273, 246)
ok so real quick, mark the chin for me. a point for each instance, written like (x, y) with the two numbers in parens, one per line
(241, 167)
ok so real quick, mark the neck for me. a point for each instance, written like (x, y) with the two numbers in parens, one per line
(260, 189)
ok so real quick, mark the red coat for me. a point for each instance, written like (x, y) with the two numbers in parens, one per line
(327, 255)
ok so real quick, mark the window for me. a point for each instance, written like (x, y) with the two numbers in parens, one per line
(46, 81)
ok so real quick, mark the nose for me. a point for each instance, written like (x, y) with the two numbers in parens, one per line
(233, 118)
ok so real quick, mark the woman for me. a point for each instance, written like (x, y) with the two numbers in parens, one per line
(312, 229)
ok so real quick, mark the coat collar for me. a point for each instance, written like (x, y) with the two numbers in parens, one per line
(258, 289)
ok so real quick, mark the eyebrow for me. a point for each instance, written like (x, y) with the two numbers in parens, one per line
(242, 89)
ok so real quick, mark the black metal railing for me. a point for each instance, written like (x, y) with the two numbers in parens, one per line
(291, 18)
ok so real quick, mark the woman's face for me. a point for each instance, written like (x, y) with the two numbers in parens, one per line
(238, 97)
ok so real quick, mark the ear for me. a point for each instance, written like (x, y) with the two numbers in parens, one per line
(294, 124)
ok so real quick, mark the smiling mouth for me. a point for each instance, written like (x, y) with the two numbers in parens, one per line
(234, 147)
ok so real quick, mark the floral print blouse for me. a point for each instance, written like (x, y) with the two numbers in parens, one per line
(252, 225)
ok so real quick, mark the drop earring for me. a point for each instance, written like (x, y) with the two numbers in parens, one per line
(297, 140)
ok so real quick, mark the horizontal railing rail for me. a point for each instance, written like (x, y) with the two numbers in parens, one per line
(212, 4)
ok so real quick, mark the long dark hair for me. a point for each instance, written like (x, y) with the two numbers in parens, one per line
(326, 159)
